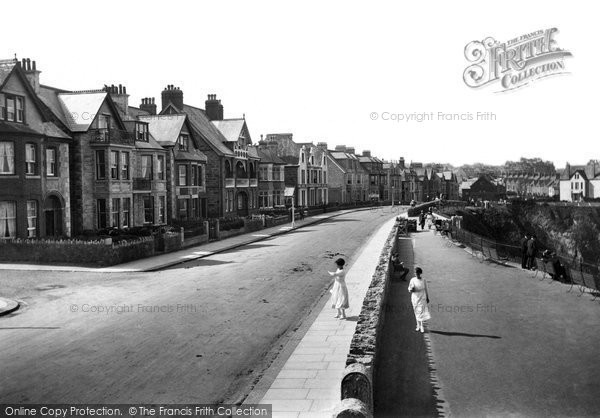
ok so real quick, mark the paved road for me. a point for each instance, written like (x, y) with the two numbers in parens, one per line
(223, 320)
(504, 343)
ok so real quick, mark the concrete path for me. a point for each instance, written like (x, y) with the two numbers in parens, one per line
(308, 384)
(193, 253)
(504, 343)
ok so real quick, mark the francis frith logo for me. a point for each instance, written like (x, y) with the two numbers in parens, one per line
(514, 63)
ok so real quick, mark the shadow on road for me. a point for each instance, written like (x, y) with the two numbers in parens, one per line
(403, 386)
(463, 334)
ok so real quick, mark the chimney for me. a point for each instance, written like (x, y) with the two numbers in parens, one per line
(213, 108)
(350, 150)
(148, 105)
(32, 74)
(401, 163)
(119, 95)
(341, 148)
(322, 145)
(172, 94)
(366, 153)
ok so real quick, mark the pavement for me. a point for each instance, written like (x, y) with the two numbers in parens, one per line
(503, 343)
(162, 261)
(307, 383)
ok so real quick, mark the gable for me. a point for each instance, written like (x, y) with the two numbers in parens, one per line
(16, 85)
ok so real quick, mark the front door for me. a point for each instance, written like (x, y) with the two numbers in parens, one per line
(242, 204)
(53, 216)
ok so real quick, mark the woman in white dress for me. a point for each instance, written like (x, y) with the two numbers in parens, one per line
(339, 292)
(419, 298)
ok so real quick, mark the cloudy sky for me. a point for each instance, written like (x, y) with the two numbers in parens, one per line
(325, 70)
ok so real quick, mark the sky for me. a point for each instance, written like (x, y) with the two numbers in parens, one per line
(331, 71)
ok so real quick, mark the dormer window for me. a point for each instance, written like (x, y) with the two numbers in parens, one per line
(12, 108)
(141, 132)
(184, 142)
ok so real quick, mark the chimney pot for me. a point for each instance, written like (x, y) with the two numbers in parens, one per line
(33, 64)
(28, 64)
(24, 63)
(120, 89)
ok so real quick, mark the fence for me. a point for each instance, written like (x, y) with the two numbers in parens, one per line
(575, 271)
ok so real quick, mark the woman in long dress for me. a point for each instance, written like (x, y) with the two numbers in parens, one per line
(419, 298)
(339, 292)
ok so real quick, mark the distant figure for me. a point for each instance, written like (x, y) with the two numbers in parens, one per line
(422, 220)
(339, 292)
(397, 266)
(419, 298)
(302, 213)
(429, 220)
(524, 241)
(531, 252)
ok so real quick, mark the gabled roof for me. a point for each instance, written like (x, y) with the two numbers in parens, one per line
(207, 130)
(80, 108)
(164, 128)
(230, 128)
(6, 67)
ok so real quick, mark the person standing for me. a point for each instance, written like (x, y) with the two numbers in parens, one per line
(422, 220)
(419, 298)
(524, 242)
(531, 252)
(339, 292)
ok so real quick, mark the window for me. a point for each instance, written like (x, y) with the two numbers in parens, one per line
(141, 132)
(30, 159)
(126, 211)
(183, 209)
(148, 210)
(114, 165)
(263, 173)
(32, 210)
(51, 162)
(200, 176)
(147, 167)
(101, 213)
(100, 165)
(161, 209)
(10, 108)
(7, 158)
(303, 177)
(103, 122)
(116, 213)
(263, 200)
(194, 176)
(124, 166)
(184, 142)
(8, 219)
(20, 109)
(182, 175)
(2, 107)
(161, 167)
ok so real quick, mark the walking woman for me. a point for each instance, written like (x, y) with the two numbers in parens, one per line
(339, 293)
(419, 298)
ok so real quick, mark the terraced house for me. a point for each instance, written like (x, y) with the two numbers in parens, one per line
(232, 163)
(34, 158)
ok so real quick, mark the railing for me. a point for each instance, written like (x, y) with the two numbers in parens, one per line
(590, 272)
(111, 136)
(229, 182)
(141, 183)
(242, 182)
(240, 153)
(253, 182)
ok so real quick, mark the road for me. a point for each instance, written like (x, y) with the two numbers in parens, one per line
(201, 332)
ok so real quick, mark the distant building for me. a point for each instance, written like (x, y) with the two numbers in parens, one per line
(482, 188)
(578, 182)
(271, 180)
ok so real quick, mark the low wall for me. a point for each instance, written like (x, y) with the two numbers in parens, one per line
(92, 253)
(357, 382)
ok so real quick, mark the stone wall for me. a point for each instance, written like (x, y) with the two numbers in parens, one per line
(361, 362)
